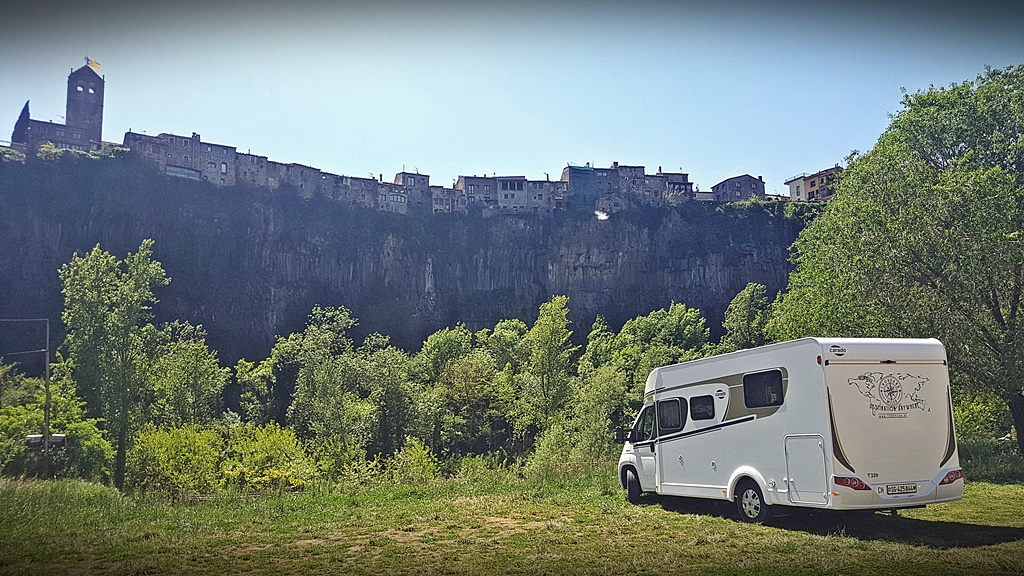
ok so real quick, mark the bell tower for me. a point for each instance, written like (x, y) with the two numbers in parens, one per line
(85, 104)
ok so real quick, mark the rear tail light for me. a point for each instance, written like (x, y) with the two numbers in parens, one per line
(850, 482)
(952, 476)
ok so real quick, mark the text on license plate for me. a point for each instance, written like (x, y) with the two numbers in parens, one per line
(901, 489)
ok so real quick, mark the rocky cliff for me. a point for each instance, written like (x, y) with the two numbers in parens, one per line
(249, 264)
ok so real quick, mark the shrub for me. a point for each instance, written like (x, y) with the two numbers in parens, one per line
(991, 461)
(980, 417)
(268, 457)
(552, 450)
(176, 461)
(415, 463)
(484, 469)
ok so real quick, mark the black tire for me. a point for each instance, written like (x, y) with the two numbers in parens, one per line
(633, 490)
(750, 504)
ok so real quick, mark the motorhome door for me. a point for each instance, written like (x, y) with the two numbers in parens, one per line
(645, 448)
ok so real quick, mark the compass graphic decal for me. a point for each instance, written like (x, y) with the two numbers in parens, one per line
(890, 390)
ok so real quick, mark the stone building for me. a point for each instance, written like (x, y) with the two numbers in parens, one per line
(621, 186)
(448, 200)
(188, 157)
(416, 188)
(817, 186)
(512, 195)
(83, 117)
(480, 190)
(738, 188)
(546, 196)
(391, 198)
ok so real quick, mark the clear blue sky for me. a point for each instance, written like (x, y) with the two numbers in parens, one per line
(460, 87)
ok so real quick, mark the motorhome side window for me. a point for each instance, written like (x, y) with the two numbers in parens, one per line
(645, 425)
(761, 389)
(671, 415)
(702, 407)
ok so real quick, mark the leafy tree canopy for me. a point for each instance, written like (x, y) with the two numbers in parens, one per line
(924, 237)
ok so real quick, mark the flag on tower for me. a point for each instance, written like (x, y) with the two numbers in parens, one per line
(92, 63)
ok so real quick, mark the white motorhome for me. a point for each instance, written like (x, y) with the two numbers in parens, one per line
(844, 424)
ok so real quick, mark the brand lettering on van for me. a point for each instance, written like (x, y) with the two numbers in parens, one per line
(891, 395)
(837, 350)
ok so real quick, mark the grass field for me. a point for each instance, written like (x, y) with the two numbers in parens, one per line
(572, 524)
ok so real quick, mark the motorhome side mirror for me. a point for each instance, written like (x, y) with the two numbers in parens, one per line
(620, 436)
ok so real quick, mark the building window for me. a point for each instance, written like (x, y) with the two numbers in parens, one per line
(80, 89)
(223, 167)
(471, 189)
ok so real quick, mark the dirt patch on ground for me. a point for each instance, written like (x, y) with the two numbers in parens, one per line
(425, 535)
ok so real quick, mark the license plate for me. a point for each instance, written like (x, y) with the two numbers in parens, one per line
(901, 489)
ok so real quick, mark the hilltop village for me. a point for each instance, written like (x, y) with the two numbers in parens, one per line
(607, 189)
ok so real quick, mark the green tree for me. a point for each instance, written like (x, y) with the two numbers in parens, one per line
(268, 387)
(600, 346)
(106, 309)
(470, 414)
(924, 237)
(440, 348)
(505, 343)
(548, 366)
(745, 319)
(665, 336)
(384, 373)
(185, 378)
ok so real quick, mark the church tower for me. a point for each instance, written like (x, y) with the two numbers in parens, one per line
(85, 104)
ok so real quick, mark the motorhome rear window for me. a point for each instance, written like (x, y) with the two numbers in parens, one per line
(671, 416)
(702, 407)
(762, 389)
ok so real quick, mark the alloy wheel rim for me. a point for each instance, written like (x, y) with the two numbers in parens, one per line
(751, 504)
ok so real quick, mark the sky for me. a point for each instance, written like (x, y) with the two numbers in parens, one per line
(770, 89)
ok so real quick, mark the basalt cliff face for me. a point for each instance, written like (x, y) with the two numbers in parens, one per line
(249, 264)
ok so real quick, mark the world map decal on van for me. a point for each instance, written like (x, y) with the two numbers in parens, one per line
(890, 395)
